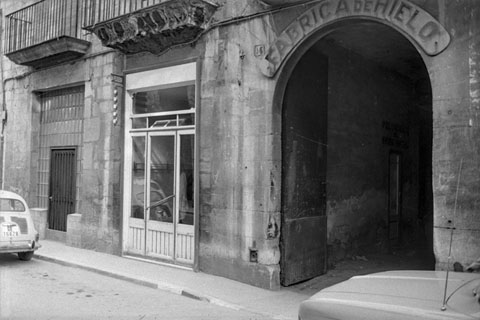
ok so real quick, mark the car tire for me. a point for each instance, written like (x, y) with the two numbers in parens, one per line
(25, 256)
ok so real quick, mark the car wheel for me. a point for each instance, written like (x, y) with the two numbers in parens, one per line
(25, 256)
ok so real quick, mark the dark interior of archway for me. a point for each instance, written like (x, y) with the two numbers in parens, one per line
(379, 136)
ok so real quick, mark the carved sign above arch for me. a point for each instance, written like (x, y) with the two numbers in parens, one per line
(403, 15)
(281, 2)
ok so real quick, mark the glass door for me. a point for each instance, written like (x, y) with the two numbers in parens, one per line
(136, 219)
(160, 116)
(184, 238)
(164, 227)
(161, 208)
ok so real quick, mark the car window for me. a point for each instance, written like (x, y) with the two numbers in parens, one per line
(11, 205)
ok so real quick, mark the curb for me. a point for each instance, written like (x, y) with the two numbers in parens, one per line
(160, 286)
(150, 284)
(144, 283)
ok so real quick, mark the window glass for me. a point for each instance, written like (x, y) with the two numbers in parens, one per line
(164, 121)
(138, 177)
(11, 205)
(164, 100)
(162, 185)
(187, 143)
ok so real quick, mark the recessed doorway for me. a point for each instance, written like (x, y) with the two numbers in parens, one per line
(159, 189)
(356, 137)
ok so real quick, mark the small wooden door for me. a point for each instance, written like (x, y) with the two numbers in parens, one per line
(303, 240)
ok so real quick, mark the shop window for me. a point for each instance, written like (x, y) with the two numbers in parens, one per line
(164, 108)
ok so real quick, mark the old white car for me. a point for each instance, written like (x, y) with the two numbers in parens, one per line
(398, 295)
(17, 232)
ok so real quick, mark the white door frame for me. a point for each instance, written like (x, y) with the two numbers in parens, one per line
(150, 80)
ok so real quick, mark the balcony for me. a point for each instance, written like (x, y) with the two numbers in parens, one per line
(46, 33)
(133, 26)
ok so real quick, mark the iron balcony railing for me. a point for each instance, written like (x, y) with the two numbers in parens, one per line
(43, 21)
(97, 11)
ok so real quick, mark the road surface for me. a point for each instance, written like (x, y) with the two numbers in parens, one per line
(43, 290)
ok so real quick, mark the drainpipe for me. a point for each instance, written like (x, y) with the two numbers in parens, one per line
(3, 112)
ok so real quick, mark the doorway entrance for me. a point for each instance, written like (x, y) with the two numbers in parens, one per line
(356, 150)
(161, 222)
(159, 190)
(60, 155)
(304, 171)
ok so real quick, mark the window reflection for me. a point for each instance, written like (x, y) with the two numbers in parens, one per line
(11, 205)
(162, 161)
(163, 100)
(138, 177)
(187, 144)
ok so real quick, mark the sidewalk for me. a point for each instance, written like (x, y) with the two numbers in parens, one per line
(282, 304)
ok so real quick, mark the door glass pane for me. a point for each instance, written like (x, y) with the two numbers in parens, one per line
(162, 161)
(138, 177)
(187, 143)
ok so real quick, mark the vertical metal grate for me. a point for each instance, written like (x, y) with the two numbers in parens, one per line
(61, 127)
(62, 188)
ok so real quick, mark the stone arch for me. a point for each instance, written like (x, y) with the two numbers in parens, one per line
(287, 68)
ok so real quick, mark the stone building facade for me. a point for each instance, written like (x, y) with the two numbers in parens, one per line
(257, 140)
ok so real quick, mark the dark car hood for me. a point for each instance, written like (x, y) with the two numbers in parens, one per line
(407, 294)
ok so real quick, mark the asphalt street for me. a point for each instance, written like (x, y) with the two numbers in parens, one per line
(42, 290)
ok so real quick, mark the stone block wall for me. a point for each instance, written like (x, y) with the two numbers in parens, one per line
(99, 192)
(39, 217)
(230, 213)
(239, 170)
(103, 147)
(239, 137)
(74, 230)
(455, 76)
(16, 102)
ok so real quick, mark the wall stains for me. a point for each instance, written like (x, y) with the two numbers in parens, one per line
(272, 228)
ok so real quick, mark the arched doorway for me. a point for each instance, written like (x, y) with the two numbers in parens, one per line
(356, 150)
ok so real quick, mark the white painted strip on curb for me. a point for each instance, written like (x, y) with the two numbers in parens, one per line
(169, 288)
(224, 304)
(236, 307)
